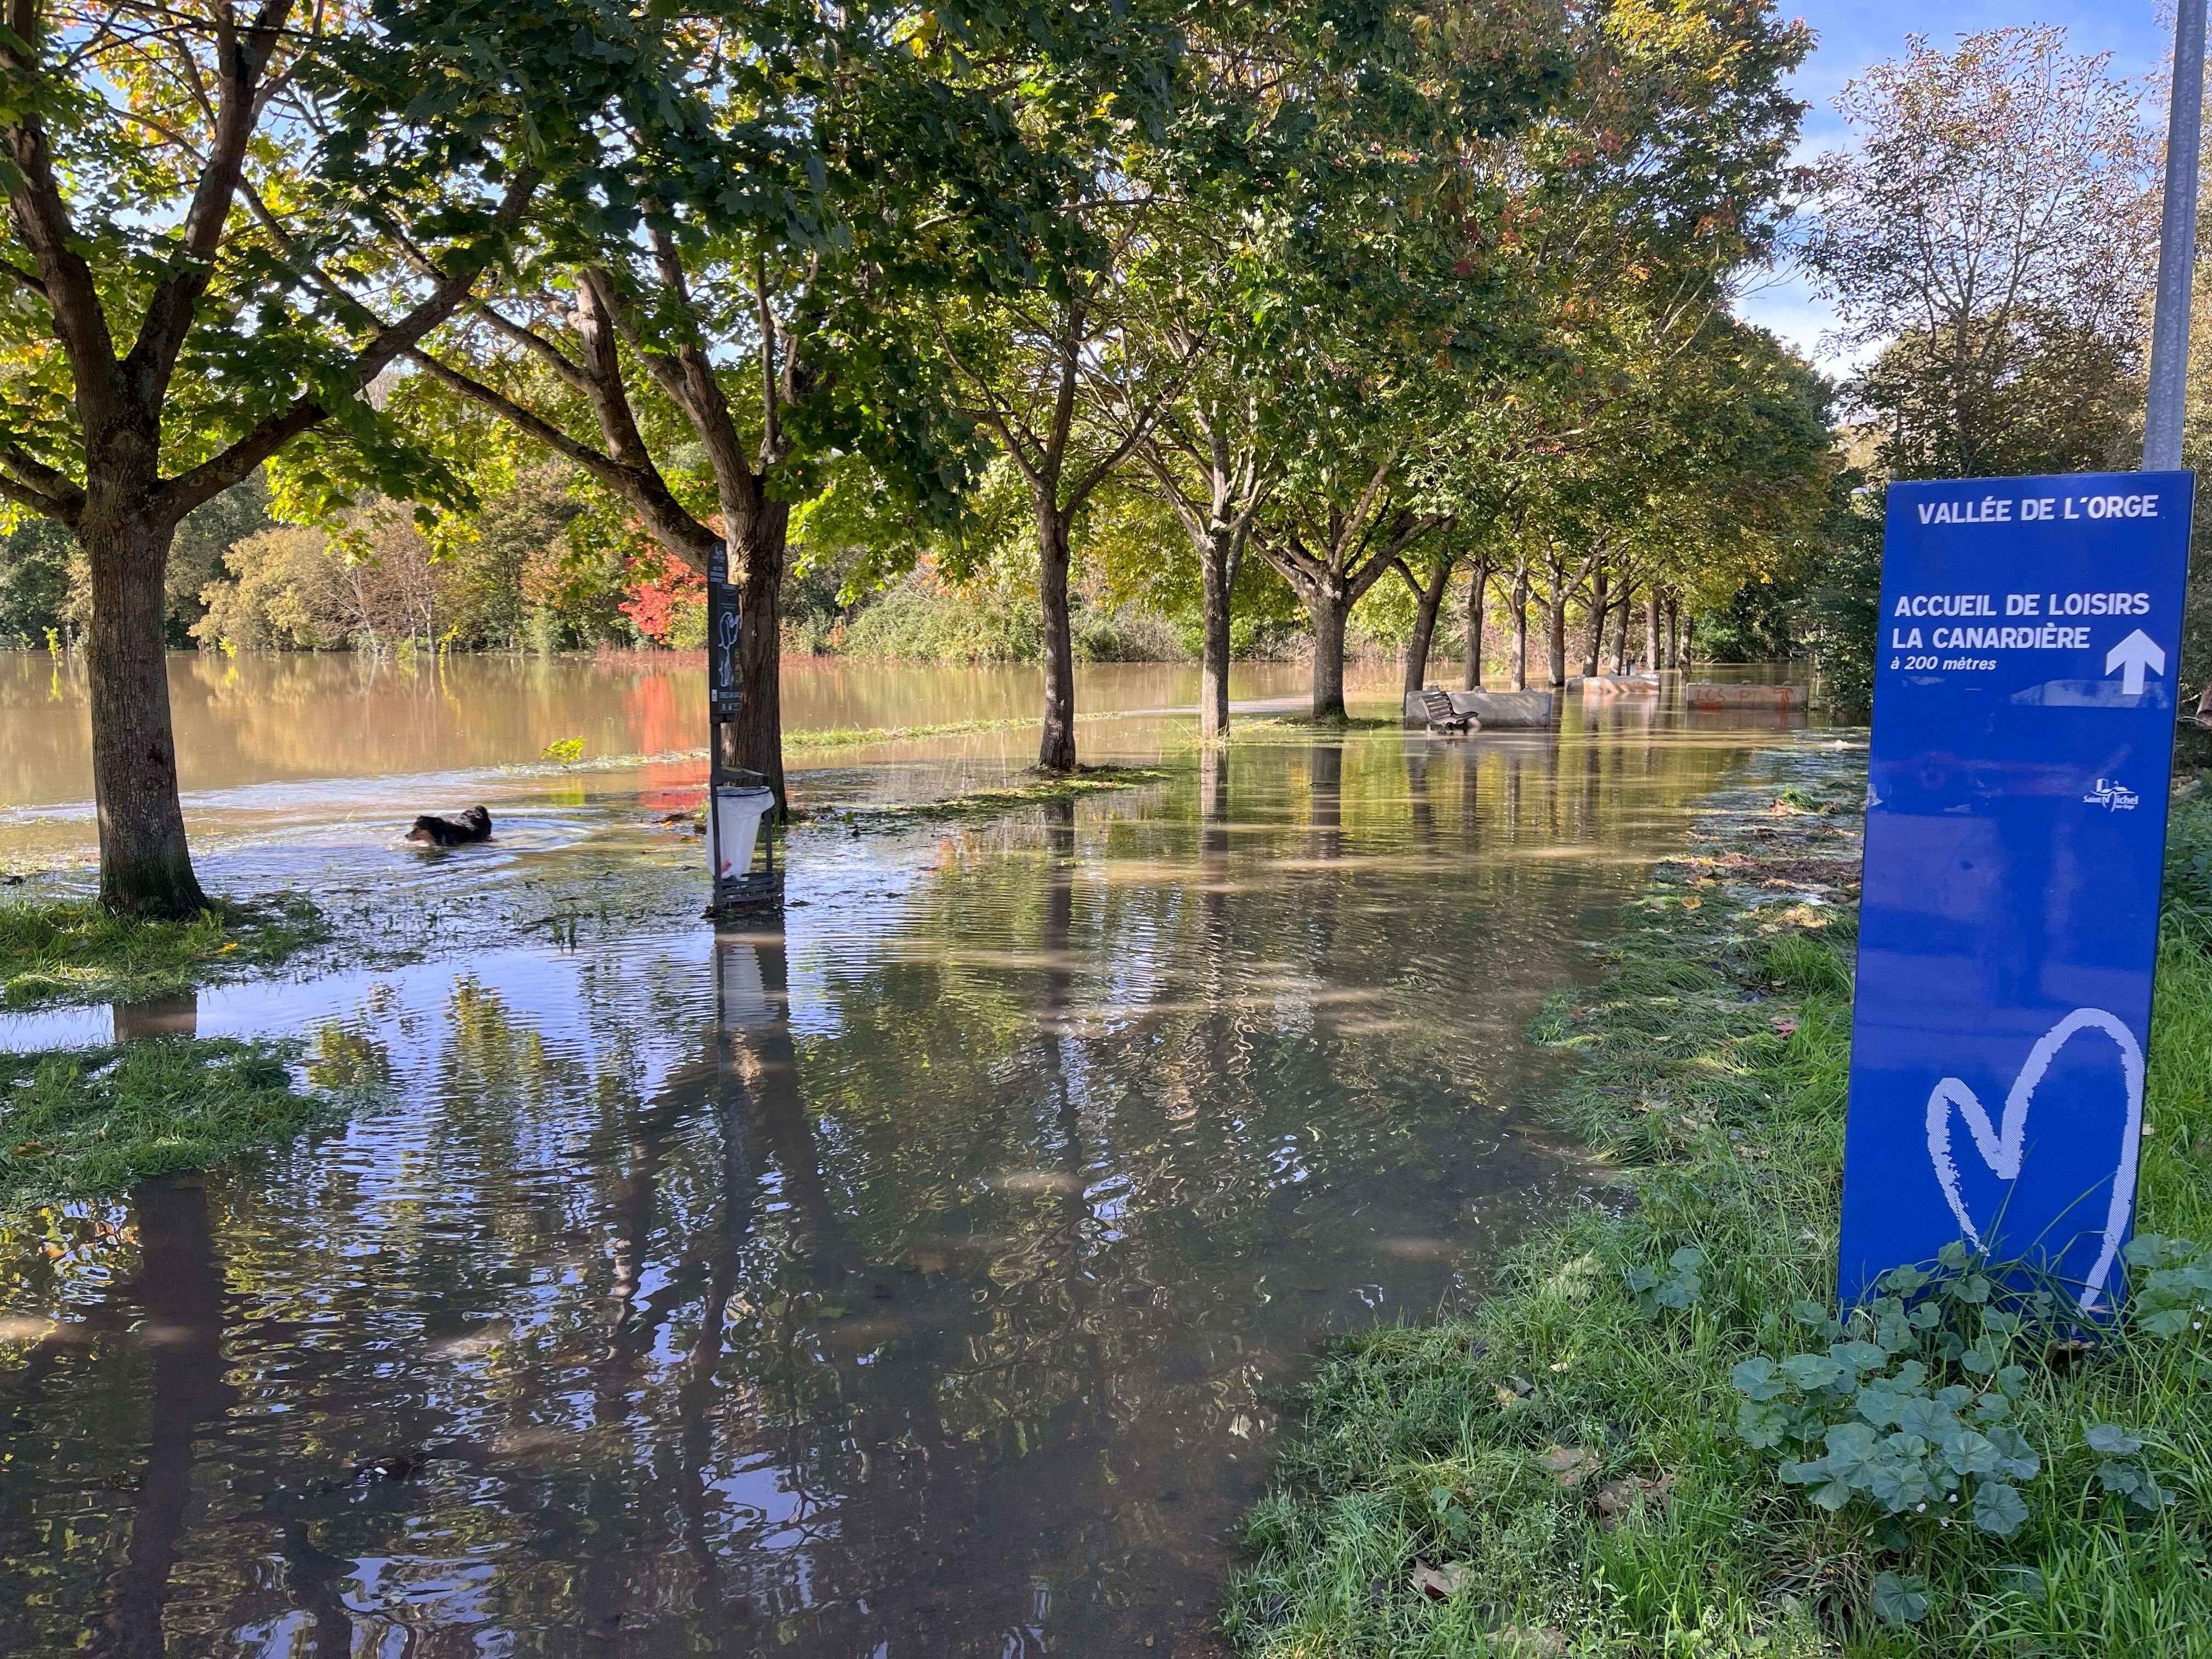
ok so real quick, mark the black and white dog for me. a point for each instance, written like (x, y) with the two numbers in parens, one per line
(475, 824)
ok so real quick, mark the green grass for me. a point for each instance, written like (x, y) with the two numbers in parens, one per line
(854, 737)
(989, 803)
(1717, 1055)
(1263, 729)
(83, 1122)
(65, 950)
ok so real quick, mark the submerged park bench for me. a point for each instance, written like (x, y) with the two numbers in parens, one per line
(1489, 711)
(1437, 707)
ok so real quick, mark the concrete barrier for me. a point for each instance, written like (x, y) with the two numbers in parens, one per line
(1617, 685)
(1505, 711)
(1712, 695)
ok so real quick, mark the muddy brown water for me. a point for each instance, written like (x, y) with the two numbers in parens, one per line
(925, 1275)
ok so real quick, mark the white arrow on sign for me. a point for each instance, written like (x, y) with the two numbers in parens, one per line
(2132, 655)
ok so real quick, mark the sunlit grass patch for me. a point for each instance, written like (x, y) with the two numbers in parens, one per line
(1564, 1468)
(63, 951)
(82, 1122)
(1036, 787)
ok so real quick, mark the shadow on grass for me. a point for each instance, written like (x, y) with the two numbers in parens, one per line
(65, 950)
(85, 1122)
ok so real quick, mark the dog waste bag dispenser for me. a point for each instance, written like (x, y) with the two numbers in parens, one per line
(737, 799)
(2017, 778)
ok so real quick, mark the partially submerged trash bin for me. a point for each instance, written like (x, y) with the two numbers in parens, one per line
(736, 816)
(738, 798)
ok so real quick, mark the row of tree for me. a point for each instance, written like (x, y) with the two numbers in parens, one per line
(1373, 290)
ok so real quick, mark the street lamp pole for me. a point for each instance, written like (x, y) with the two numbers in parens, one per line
(2176, 247)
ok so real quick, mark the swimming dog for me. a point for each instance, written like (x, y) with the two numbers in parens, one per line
(475, 824)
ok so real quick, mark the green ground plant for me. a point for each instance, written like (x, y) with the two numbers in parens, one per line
(1038, 788)
(57, 951)
(1655, 1437)
(84, 1122)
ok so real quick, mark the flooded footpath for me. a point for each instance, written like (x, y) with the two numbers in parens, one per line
(922, 1276)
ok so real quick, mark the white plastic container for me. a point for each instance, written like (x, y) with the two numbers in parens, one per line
(737, 815)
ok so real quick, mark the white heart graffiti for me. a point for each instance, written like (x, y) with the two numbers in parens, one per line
(2001, 1148)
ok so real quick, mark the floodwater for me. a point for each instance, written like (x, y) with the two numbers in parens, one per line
(923, 1274)
(266, 742)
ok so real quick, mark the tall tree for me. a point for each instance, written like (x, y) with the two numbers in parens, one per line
(740, 309)
(1991, 233)
(168, 173)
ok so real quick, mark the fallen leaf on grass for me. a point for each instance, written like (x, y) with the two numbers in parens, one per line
(2064, 1354)
(1441, 1583)
(1617, 1500)
(1571, 1465)
(32, 1149)
(1785, 1026)
(1514, 1390)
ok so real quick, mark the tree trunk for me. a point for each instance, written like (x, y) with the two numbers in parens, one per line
(1327, 615)
(1218, 572)
(1477, 603)
(1431, 602)
(1651, 628)
(1600, 608)
(1620, 636)
(1520, 606)
(1673, 634)
(1556, 618)
(1056, 744)
(145, 862)
(759, 724)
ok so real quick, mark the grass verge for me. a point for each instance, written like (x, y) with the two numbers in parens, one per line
(1564, 1469)
(989, 803)
(84, 1122)
(63, 951)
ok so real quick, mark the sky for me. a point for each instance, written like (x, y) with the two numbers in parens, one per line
(1854, 33)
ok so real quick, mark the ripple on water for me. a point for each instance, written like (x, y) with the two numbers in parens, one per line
(835, 1286)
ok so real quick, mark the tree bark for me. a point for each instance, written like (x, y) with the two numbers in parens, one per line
(1556, 620)
(145, 862)
(1651, 628)
(1600, 608)
(1429, 599)
(1218, 576)
(1520, 607)
(1620, 636)
(1327, 615)
(1477, 605)
(1673, 634)
(1056, 744)
(759, 724)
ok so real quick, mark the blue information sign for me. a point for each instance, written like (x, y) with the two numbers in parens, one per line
(2023, 734)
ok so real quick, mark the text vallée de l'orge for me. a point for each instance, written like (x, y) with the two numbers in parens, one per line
(2037, 509)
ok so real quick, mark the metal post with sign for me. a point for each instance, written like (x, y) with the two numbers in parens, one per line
(2015, 836)
(737, 798)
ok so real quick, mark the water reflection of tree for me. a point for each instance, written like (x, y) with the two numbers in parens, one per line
(179, 1288)
(845, 1330)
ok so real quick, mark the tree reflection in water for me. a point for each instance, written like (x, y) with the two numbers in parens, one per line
(915, 1282)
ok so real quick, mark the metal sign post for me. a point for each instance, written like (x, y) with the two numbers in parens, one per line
(2176, 246)
(2017, 782)
(737, 798)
